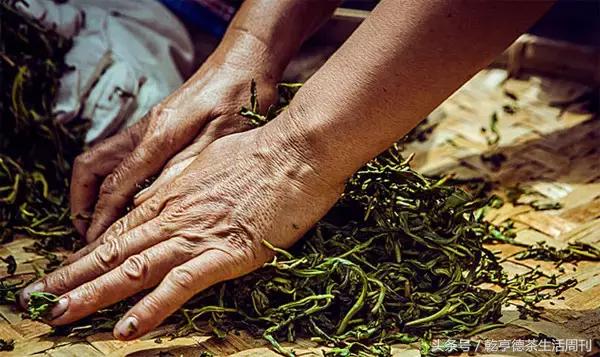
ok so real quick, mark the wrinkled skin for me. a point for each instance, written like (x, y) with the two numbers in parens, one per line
(206, 108)
(258, 45)
(219, 194)
(205, 226)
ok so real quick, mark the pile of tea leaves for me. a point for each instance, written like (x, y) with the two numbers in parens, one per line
(398, 259)
(36, 152)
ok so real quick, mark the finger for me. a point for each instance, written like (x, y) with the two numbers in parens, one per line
(92, 166)
(146, 159)
(138, 272)
(139, 215)
(168, 175)
(180, 285)
(217, 128)
(100, 261)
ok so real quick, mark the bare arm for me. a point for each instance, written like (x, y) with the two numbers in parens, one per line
(267, 33)
(403, 61)
(274, 183)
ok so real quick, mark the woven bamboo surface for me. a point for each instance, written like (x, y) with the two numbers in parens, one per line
(552, 147)
(551, 144)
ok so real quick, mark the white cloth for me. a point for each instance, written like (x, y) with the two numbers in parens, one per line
(126, 57)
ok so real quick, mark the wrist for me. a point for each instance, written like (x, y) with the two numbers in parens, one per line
(318, 128)
(295, 138)
(242, 51)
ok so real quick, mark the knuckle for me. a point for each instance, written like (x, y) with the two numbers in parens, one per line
(155, 112)
(188, 244)
(177, 212)
(164, 226)
(84, 163)
(107, 255)
(134, 133)
(58, 281)
(151, 305)
(136, 267)
(110, 183)
(142, 154)
(157, 117)
(90, 294)
(115, 230)
(152, 205)
(182, 278)
(243, 236)
(101, 241)
(82, 160)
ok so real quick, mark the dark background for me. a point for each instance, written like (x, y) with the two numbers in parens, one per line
(575, 21)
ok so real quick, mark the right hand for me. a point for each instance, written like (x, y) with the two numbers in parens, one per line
(205, 108)
(205, 226)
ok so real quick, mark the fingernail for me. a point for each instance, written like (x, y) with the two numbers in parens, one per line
(26, 293)
(126, 327)
(60, 308)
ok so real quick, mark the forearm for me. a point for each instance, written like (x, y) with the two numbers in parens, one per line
(402, 62)
(265, 34)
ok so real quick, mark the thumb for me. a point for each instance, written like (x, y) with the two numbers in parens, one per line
(167, 175)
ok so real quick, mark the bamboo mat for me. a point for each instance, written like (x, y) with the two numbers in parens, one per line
(552, 146)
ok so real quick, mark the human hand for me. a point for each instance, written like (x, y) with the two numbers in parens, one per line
(204, 109)
(204, 226)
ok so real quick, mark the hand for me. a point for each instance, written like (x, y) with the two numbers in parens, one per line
(201, 111)
(205, 226)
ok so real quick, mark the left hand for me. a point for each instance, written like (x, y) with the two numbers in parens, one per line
(205, 226)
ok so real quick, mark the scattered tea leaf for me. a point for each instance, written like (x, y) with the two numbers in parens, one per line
(40, 304)
(7, 345)
(11, 264)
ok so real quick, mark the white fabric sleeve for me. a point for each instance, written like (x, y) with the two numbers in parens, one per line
(126, 57)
